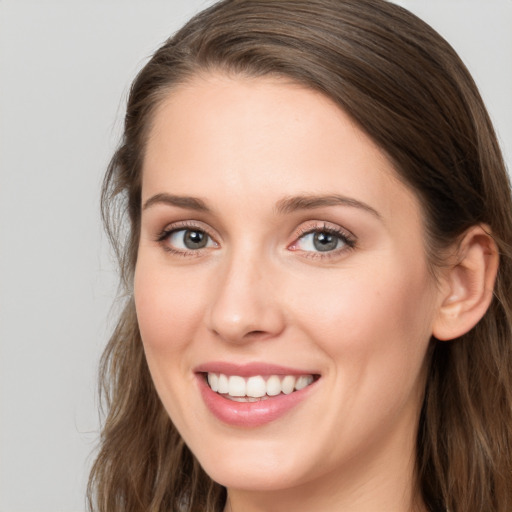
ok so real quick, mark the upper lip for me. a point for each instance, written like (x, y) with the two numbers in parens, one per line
(250, 369)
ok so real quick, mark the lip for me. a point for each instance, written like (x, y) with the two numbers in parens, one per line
(250, 414)
(250, 369)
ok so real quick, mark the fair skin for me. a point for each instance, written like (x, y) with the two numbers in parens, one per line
(334, 286)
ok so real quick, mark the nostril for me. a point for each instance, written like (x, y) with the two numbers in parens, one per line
(256, 334)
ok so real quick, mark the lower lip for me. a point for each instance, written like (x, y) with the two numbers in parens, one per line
(250, 414)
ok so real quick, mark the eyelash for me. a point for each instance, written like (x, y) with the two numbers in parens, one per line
(185, 226)
(346, 238)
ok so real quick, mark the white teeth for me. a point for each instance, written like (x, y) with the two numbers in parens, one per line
(223, 384)
(288, 384)
(256, 387)
(303, 381)
(245, 398)
(237, 386)
(213, 381)
(273, 385)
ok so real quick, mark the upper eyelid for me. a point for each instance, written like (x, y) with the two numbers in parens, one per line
(165, 234)
(327, 229)
(188, 224)
(349, 239)
(318, 226)
(173, 227)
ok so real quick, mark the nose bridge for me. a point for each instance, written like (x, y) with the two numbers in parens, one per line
(243, 305)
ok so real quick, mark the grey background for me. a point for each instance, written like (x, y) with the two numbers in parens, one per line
(65, 68)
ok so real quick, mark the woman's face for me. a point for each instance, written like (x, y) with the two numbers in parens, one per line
(278, 250)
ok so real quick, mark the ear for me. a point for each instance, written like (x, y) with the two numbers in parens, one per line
(468, 284)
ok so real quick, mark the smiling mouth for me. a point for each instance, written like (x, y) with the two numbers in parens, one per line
(257, 387)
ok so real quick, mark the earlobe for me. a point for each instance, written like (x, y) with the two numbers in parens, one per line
(468, 284)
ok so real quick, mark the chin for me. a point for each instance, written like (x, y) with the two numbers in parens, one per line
(255, 468)
(250, 479)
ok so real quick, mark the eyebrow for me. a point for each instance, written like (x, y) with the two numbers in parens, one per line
(190, 203)
(283, 206)
(310, 202)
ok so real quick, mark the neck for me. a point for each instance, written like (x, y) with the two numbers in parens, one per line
(326, 499)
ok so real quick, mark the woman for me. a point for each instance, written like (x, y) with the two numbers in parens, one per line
(317, 209)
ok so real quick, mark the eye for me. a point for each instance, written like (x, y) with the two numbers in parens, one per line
(320, 241)
(323, 240)
(186, 239)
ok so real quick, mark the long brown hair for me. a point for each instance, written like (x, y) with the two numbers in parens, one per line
(409, 91)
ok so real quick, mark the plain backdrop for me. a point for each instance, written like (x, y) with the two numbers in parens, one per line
(65, 69)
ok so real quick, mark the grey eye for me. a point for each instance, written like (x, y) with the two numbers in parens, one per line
(195, 239)
(325, 241)
(190, 239)
(320, 241)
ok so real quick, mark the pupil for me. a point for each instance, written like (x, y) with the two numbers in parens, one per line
(325, 242)
(195, 239)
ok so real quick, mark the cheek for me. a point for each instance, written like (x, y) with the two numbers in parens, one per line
(377, 318)
(375, 328)
(169, 306)
(168, 313)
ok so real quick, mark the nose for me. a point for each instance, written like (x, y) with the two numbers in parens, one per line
(245, 305)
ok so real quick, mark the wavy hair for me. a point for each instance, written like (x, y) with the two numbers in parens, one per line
(404, 86)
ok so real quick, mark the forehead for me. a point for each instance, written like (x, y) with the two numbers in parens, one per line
(262, 138)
